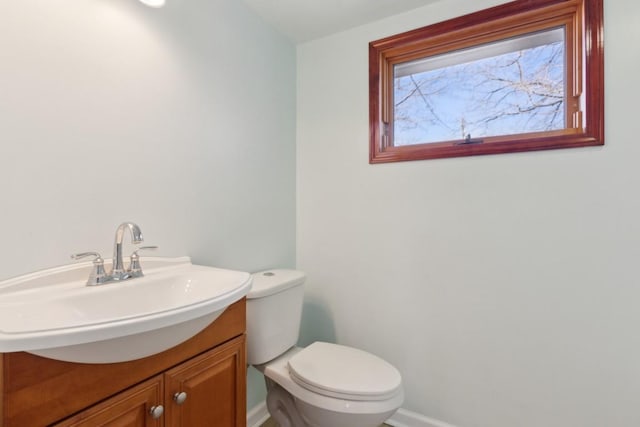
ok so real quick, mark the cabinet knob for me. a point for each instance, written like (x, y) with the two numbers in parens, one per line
(156, 411)
(180, 397)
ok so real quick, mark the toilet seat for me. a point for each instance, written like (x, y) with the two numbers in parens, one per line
(344, 373)
(278, 371)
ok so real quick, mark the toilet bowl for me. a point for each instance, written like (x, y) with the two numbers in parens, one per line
(322, 385)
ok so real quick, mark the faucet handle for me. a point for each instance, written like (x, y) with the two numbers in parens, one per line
(143, 248)
(135, 270)
(96, 256)
(97, 276)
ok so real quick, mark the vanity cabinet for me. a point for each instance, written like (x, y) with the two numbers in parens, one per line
(201, 382)
(200, 392)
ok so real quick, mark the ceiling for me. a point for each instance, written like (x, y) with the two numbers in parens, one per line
(303, 20)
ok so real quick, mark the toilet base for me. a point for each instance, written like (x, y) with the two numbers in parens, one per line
(282, 406)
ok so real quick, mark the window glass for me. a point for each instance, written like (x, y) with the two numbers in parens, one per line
(509, 87)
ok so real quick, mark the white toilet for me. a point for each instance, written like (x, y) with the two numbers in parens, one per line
(322, 385)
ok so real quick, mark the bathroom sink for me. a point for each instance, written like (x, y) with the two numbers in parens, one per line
(52, 313)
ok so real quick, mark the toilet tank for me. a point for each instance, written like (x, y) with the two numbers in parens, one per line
(274, 310)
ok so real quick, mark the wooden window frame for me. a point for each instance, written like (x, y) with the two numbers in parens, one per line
(583, 20)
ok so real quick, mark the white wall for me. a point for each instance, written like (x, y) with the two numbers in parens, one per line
(505, 288)
(181, 119)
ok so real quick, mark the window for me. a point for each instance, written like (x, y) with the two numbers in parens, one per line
(527, 75)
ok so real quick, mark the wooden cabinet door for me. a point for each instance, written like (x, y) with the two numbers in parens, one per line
(215, 387)
(131, 408)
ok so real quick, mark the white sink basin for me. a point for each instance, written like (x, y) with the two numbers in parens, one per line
(53, 314)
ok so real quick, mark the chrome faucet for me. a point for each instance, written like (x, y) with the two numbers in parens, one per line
(118, 272)
(98, 275)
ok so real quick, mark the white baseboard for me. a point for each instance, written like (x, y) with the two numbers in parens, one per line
(403, 418)
(257, 415)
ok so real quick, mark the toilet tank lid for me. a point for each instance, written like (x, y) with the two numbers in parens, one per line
(270, 282)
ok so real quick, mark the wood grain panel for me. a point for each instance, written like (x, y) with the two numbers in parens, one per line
(130, 408)
(215, 385)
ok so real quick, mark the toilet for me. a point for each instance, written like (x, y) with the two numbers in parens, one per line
(323, 384)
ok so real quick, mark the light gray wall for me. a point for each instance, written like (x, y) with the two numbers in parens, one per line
(505, 288)
(181, 119)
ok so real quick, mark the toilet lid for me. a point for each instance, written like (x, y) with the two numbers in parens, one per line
(344, 372)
